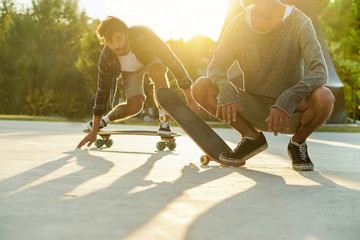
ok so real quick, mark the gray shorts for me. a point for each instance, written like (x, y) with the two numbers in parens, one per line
(133, 81)
(256, 110)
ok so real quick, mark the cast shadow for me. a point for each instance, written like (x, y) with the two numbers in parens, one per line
(273, 209)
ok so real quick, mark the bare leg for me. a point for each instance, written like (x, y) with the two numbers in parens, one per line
(127, 110)
(158, 76)
(316, 108)
(205, 94)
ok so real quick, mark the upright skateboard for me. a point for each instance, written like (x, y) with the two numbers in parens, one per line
(166, 140)
(209, 142)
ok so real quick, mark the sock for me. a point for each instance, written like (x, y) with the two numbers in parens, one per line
(106, 119)
(292, 141)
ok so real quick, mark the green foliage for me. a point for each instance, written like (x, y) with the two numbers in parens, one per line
(49, 53)
(88, 57)
(194, 54)
(40, 101)
(340, 21)
(40, 52)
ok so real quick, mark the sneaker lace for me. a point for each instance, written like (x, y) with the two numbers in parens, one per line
(243, 140)
(302, 152)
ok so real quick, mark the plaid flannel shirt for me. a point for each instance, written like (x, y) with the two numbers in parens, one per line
(145, 45)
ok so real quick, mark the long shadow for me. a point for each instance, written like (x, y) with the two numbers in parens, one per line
(113, 212)
(272, 209)
(86, 215)
(125, 212)
(276, 209)
(20, 180)
(31, 201)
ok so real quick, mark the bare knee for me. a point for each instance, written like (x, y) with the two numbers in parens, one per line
(323, 100)
(135, 104)
(202, 88)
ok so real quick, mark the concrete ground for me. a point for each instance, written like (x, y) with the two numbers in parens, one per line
(50, 190)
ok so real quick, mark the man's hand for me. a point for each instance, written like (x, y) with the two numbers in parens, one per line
(90, 138)
(190, 101)
(193, 106)
(277, 121)
(229, 112)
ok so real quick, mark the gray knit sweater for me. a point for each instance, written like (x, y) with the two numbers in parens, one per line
(281, 66)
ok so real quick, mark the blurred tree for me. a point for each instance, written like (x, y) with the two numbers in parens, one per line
(194, 54)
(40, 50)
(340, 20)
(49, 53)
(6, 19)
(87, 63)
(89, 56)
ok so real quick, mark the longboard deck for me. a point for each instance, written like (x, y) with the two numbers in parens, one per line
(167, 140)
(133, 132)
(203, 135)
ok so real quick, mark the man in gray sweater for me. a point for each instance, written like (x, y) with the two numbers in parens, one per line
(284, 74)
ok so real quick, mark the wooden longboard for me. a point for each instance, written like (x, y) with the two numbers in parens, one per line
(167, 140)
(133, 132)
(203, 135)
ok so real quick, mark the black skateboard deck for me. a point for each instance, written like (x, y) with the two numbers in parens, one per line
(166, 140)
(203, 135)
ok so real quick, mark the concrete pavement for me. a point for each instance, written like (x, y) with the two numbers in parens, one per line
(50, 190)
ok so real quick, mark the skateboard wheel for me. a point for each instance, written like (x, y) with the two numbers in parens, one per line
(204, 160)
(164, 118)
(160, 146)
(109, 143)
(99, 143)
(171, 145)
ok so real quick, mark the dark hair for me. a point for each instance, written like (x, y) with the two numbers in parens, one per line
(108, 26)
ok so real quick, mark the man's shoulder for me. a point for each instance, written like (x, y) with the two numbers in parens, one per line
(299, 16)
(237, 23)
(140, 35)
(139, 30)
(106, 53)
(108, 61)
(239, 18)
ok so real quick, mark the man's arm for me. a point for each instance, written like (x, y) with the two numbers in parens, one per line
(168, 58)
(105, 76)
(316, 74)
(107, 73)
(224, 56)
(190, 101)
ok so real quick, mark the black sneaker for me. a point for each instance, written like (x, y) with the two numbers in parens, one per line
(299, 157)
(164, 128)
(102, 124)
(247, 148)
